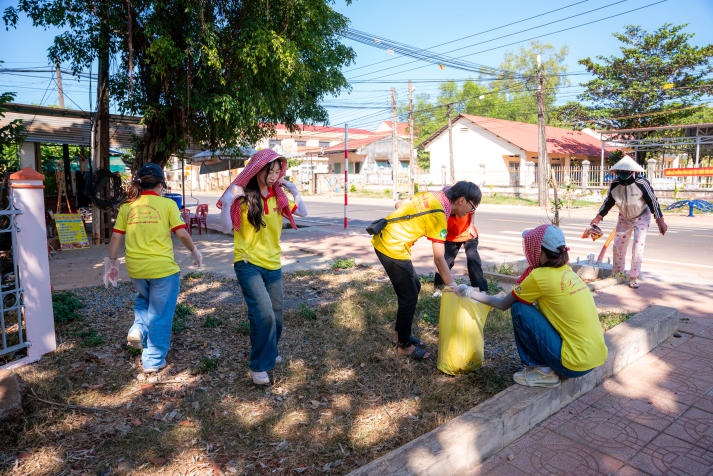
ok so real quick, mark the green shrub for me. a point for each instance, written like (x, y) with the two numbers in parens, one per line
(180, 316)
(64, 305)
(206, 365)
(212, 322)
(343, 263)
(91, 338)
(243, 328)
(306, 313)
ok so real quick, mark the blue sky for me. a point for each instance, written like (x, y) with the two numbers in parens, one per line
(476, 31)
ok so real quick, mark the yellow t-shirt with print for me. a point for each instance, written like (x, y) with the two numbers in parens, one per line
(261, 248)
(568, 305)
(147, 224)
(397, 238)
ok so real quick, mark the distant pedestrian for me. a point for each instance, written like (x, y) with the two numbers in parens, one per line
(254, 206)
(555, 320)
(462, 232)
(636, 201)
(147, 220)
(393, 248)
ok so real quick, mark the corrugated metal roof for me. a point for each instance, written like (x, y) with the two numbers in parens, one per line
(66, 126)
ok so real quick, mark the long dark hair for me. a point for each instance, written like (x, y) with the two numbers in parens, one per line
(253, 198)
(556, 259)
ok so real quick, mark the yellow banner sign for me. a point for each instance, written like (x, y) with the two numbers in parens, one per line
(697, 172)
(71, 231)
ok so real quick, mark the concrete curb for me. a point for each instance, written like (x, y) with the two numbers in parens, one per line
(468, 440)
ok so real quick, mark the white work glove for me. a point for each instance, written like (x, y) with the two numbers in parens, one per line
(226, 200)
(197, 257)
(230, 194)
(463, 290)
(111, 273)
(290, 186)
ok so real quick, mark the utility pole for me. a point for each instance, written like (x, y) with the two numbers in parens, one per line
(450, 144)
(395, 165)
(542, 162)
(412, 166)
(60, 91)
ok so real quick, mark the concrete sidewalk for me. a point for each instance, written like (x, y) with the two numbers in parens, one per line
(649, 410)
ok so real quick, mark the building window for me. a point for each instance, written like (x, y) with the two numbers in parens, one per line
(324, 143)
(301, 143)
(272, 143)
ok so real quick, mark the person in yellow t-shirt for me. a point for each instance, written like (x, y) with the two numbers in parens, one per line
(147, 221)
(556, 324)
(254, 206)
(393, 248)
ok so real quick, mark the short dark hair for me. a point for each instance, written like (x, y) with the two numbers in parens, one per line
(469, 190)
(556, 259)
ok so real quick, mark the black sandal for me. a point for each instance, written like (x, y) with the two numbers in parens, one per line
(412, 341)
(419, 354)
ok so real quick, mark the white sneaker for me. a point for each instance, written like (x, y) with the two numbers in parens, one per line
(260, 378)
(437, 293)
(536, 377)
(135, 339)
(153, 370)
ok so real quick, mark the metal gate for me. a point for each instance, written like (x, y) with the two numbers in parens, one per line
(12, 322)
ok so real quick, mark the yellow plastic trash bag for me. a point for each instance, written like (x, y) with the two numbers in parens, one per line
(460, 334)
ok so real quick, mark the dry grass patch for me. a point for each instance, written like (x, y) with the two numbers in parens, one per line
(341, 398)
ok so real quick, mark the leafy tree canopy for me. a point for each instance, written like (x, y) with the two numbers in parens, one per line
(10, 136)
(657, 80)
(216, 72)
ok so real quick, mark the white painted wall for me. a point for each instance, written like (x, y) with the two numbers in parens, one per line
(477, 155)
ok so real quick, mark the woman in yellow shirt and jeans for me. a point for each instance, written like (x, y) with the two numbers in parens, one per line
(556, 324)
(147, 221)
(254, 206)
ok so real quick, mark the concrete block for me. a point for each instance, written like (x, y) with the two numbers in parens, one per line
(11, 390)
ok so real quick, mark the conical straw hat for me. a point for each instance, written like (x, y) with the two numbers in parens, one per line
(628, 164)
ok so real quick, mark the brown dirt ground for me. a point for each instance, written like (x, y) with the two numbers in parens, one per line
(341, 398)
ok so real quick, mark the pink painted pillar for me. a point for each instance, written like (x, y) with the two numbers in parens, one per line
(33, 262)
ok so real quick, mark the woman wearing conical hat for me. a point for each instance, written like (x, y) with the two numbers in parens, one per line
(636, 201)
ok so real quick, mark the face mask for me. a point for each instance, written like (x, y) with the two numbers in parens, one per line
(623, 175)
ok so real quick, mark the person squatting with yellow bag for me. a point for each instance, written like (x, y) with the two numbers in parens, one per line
(555, 320)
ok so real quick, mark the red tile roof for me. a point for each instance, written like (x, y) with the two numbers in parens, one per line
(525, 136)
(354, 144)
(402, 128)
(323, 129)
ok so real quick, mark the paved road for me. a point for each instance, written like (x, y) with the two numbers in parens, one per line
(681, 256)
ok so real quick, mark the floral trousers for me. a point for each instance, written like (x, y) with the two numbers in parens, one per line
(625, 229)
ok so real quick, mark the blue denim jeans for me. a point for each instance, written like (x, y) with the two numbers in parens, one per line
(262, 291)
(538, 343)
(154, 306)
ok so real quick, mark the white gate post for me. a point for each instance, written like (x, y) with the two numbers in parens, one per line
(32, 260)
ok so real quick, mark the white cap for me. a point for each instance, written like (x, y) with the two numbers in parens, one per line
(627, 164)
